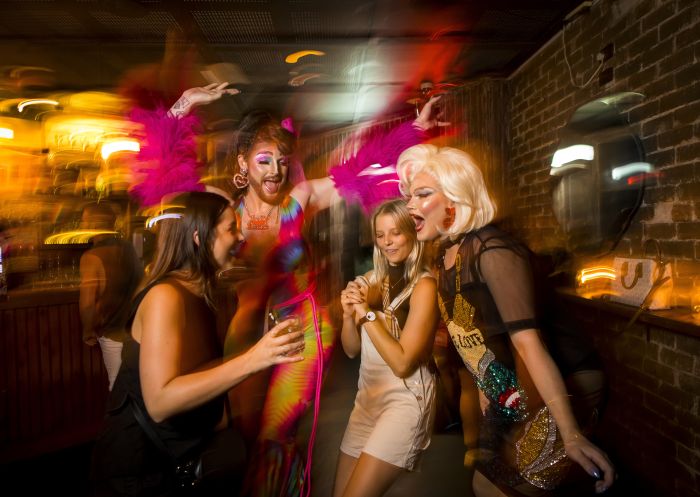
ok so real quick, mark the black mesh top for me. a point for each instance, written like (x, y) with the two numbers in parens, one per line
(496, 278)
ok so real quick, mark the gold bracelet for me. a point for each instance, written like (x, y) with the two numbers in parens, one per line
(559, 398)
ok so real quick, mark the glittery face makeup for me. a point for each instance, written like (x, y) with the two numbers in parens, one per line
(428, 206)
(393, 243)
(267, 170)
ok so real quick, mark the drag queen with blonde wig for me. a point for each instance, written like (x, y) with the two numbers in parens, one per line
(529, 435)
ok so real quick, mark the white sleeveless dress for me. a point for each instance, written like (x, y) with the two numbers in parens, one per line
(393, 417)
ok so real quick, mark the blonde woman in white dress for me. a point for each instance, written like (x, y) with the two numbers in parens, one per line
(389, 316)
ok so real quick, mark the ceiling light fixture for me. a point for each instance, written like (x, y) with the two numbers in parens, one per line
(293, 58)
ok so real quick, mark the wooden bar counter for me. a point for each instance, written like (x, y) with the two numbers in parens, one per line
(53, 387)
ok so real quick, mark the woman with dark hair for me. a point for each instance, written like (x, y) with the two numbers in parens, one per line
(530, 433)
(272, 203)
(391, 423)
(168, 398)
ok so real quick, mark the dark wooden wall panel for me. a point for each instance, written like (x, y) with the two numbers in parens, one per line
(52, 386)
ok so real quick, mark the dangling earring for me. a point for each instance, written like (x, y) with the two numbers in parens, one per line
(240, 180)
(450, 213)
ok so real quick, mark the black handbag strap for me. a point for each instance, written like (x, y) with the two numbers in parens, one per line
(657, 248)
(660, 280)
(148, 429)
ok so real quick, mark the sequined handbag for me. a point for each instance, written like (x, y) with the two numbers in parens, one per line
(644, 282)
(539, 452)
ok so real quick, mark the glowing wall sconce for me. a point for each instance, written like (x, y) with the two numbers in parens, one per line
(76, 236)
(570, 154)
(35, 101)
(630, 169)
(110, 148)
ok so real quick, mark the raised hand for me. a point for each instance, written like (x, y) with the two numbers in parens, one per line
(203, 95)
(425, 121)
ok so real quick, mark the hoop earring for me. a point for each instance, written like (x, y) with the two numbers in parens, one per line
(240, 180)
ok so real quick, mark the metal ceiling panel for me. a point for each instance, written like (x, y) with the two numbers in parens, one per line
(45, 24)
(221, 26)
(151, 27)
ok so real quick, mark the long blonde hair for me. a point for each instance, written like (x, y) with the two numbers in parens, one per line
(415, 264)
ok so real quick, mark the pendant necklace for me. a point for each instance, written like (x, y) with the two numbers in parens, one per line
(391, 288)
(258, 223)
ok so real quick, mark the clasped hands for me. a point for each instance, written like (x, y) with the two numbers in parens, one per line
(354, 298)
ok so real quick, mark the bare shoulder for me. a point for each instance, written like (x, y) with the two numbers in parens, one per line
(425, 287)
(166, 296)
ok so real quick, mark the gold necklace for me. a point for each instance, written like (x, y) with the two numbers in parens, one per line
(258, 223)
(391, 288)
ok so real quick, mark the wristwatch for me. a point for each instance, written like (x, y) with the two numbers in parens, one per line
(367, 318)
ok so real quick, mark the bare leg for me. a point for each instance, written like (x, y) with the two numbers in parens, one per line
(346, 465)
(371, 477)
(484, 488)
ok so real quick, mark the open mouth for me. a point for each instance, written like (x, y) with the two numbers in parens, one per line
(272, 185)
(420, 222)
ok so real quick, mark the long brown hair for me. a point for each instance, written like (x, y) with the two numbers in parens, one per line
(176, 250)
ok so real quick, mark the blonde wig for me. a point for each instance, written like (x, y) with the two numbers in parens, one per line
(460, 180)
(414, 264)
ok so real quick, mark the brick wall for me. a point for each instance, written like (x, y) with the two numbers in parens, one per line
(651, 425)
(656, 51)
(653, 421)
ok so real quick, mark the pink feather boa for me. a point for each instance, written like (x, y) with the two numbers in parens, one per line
(369, 178)
(167, 162)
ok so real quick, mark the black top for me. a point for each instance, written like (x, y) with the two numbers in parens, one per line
(123, 449)
(496, 278)
(397, 282)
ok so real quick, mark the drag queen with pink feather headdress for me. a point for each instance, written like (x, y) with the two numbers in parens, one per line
(271, 213)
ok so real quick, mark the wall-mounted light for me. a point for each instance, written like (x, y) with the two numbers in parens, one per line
(35, 101)
(631, 169)
(7, 133)
(572, 153)
(75, 236)
(119, 146)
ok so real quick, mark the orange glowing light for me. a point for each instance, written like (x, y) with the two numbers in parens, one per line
(293, 58)
(35, 101)
(7, 133)
(594, 273)
(110, 148)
